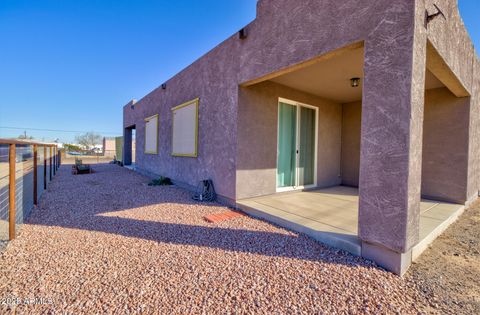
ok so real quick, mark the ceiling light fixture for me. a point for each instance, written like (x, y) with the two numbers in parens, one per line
(355, 82)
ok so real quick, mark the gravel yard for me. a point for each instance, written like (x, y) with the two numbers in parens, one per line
(448, 273)
(108, 243)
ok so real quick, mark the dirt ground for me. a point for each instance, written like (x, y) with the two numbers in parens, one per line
(448, 273)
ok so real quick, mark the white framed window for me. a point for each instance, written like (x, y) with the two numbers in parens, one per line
(185, 129)
(151, 135)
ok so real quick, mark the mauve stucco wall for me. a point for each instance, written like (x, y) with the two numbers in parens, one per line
(451, 39)
(285, 32)
(130, 116)
(206, 79)
(474, 136)
(445, 146)
(351, 127)
(257, 138)
(289, 32)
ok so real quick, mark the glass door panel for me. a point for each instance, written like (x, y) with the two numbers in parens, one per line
(306, 158)
(287, 145)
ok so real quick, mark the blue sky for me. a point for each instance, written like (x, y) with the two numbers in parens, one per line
(71, 65)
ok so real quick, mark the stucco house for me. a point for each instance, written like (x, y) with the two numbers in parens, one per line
(355, 122)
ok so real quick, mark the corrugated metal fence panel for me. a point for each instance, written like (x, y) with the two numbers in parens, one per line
(23, 182)
(4, 192)
(18, 186)
(40, 171)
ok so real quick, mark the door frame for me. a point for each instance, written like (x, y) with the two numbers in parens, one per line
(297, 135)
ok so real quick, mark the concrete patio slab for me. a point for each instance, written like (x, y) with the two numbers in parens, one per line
(330, 215)
(433, 223)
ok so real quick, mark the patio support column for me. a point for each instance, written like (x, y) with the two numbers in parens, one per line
(127, 146)
(391, 137)
(473, 183)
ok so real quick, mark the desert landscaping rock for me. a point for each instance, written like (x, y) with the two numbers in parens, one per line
(108, 243)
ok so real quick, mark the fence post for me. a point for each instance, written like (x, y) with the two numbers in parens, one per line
(11, 189)
(54, 159)
(53, 162)
(45, 167)
(50, 163)
(35, 192)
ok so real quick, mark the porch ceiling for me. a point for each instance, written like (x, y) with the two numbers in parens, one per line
(330, 77)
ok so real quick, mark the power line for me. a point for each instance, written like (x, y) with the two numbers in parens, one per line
(57, 130)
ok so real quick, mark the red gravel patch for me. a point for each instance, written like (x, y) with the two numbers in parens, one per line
(222, 216)
(109, 243)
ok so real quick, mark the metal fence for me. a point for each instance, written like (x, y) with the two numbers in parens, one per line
(26, 168)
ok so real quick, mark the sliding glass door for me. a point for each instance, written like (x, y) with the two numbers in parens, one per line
(297, 130)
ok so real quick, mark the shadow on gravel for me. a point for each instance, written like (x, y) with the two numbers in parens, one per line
(257, 242)
(106, 190)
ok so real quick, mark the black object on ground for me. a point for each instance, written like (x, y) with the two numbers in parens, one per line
(162, 181)
(80, 168)
(205, 191)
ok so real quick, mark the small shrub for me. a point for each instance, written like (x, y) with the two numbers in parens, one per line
(162, 181)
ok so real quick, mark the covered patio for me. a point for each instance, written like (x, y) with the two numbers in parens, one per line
(330, 152)
(330, 215)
